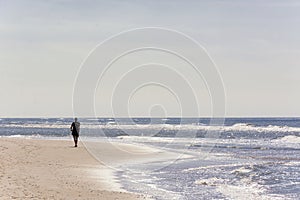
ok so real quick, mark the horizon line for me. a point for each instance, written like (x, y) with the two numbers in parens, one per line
(99, 117)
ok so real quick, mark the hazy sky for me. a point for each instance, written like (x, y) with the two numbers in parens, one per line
(255, 44)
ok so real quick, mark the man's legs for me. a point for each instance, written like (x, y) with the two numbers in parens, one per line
(75, 139)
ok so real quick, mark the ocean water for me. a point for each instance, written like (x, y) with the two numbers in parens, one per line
(246, 158)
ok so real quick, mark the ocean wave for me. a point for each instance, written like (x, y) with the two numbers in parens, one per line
(36, 136)
(236, 128)
(113, 125)
(45, 125)
(289, 139)
(242, 125)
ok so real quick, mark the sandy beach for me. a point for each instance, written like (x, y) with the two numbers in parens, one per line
(54, 169)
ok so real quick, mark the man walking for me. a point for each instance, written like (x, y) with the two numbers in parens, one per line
(75, 128)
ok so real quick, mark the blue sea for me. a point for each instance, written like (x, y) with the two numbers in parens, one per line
(244, 158)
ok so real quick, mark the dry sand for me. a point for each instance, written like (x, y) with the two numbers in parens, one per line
(54, 169)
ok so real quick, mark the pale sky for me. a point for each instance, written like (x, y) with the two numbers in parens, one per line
(255, 45)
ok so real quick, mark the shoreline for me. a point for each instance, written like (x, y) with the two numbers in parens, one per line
(54, 169)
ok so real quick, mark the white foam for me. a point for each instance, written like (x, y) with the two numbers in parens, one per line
(209, 182)
(292, 163)
(241, 170)
(23, 136)
(16, 136)
(246, 188)
(45, 125)
(196, 127)
(245, 191)
(213, 166)
(240, 127)
(289, 139)
(111, 123)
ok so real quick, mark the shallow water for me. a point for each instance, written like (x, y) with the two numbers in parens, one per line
(235, 169)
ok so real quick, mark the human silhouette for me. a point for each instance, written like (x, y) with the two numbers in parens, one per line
(75, 128)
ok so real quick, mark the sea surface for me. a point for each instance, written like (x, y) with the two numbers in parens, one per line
(238, 158)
